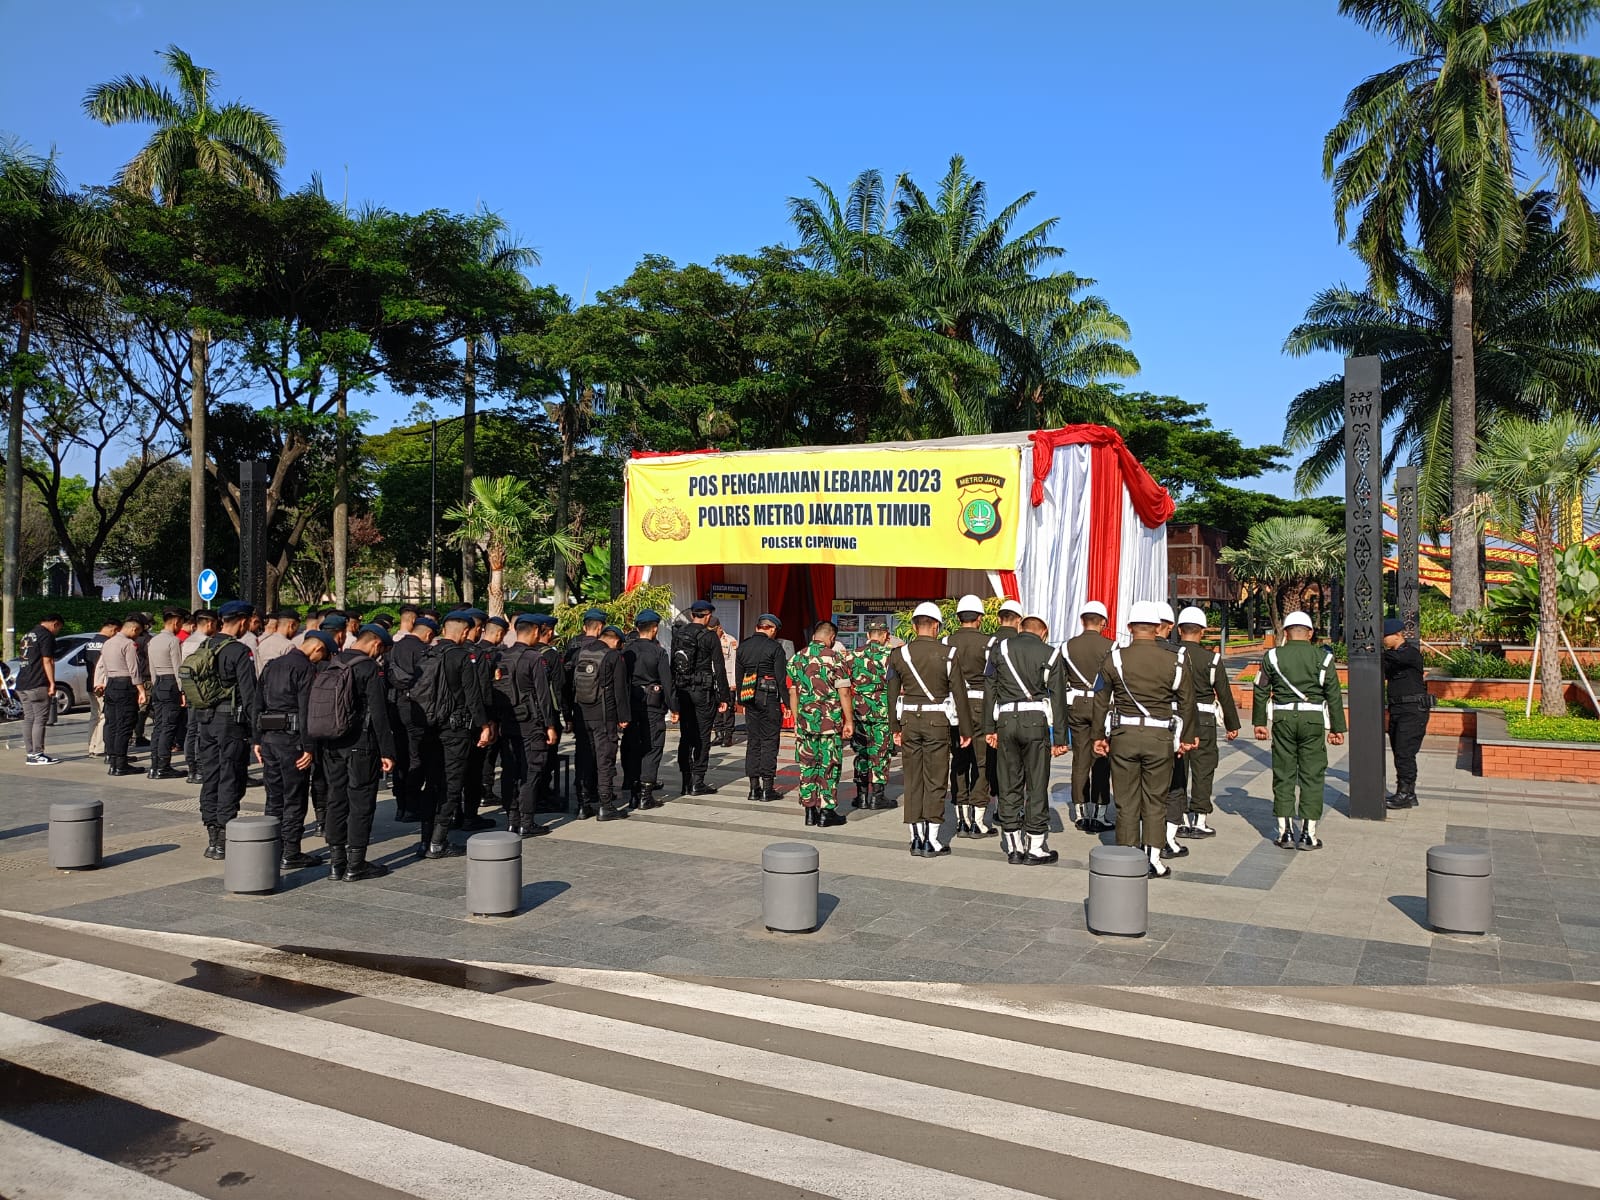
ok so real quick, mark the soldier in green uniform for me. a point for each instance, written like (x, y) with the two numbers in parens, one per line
(819, 697)
(1091, 774)
(869, 685)
(1189, 801)
(1025, 721)
(1143, 717)
(1297, 687)
(926, 698)
(969, 761)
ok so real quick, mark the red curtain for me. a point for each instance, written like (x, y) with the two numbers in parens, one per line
(920, 583)
(635, 578)
(820, 577)
(1150, 500)
(1008, 585)
(1105, 529)
(704, 577)
(782, 603)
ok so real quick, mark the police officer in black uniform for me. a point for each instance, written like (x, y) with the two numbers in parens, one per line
(526, 681)
(1409, 705)
(283, 747)
(357, 759)
(763, 671)
(701, 680)
(465, 725)
(225, 729)
(596, 687)
(410, 729)
(651, 700)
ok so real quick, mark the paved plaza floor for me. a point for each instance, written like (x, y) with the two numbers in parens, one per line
(677, 890)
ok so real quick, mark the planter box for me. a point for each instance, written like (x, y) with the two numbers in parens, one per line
(1502, 757)
(1503, 689)
(1588, 655)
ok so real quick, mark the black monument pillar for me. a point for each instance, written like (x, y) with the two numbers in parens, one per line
(619, 562)
(253, 534)
(1409, 591)
(1363, 582)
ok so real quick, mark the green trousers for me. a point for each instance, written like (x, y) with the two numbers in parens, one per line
(1024, 770)
(1299, 764)
(925, 764)
(1141, 775)
(819, 757)
(872, 744)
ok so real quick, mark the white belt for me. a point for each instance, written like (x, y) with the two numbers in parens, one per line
(1296, 706)
(1076, 694)
(1152, 722)
(938, 708)
(1022, 706)
(1207, 708)
(975, 695)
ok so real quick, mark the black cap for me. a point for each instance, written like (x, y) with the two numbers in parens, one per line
(702, 606)
(1393, 626)
(499, 621)
(427, 623)
(234, 609)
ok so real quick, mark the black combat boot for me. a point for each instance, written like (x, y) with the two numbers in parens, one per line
(880, 797)
(213, 841)
(755, 788)
(769, 790)
(359, 868)
(827, 817)
(812, 814)
(649, 799)
(863, 796)
(440, 845)
(193, 776)
(609, 810)
(338, 863)
(293, 858)
(688, 784)
(701, 787)
(119, 766)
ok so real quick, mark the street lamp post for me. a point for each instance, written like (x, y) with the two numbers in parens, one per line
(432, 434)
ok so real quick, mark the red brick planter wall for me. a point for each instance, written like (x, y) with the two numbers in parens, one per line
(1499, 757)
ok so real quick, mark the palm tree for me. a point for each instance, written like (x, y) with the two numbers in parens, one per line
(504, 520)
(850, 235)
(235, 143)
(499, 256)
(1535, 346)
(45, 243)
(1287, 555)
(1528, 474)
(1062, 379)
(1437, 139)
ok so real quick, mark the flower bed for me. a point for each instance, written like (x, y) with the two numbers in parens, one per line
(1502, 756)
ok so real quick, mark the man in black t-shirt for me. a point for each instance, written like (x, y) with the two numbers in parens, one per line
(36, 688)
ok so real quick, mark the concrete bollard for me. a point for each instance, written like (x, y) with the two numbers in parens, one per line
(789, 880)
(1460, 889)
(76, 833)
(1119, 891)
(252, 861)
(494, 873)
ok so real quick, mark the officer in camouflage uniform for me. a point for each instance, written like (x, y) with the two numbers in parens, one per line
(869, 684)
(819, 697)
(1298, 687)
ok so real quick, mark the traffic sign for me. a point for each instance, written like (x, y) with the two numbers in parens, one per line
(206, 585)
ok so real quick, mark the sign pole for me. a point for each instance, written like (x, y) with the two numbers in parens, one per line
(1363, 590)
(1410, 590)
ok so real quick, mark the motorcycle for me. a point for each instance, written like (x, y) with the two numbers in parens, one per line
(10, 701)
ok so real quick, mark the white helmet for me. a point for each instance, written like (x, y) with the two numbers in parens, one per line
(1192, 616)
(1011, 606)
(969, 604)
(1144, 612)
(1093, 608)
(1165, 610)
(1298, 618)
(928, 609)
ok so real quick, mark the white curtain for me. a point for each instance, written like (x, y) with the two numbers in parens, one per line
(1142, 569)
(1053, 544)
(862, 583)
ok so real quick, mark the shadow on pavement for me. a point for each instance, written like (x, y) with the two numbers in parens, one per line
(1415, 907)
(138, 852)
(22, 831)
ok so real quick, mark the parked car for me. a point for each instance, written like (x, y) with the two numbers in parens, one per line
(72, 676)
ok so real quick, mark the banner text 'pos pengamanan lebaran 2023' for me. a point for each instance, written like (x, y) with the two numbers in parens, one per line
(886, 508)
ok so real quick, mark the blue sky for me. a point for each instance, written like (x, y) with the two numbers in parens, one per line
(1179, 143)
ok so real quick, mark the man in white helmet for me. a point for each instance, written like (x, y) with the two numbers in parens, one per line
(1025, 722)
(1144, 715)
(926, 701)
(1297, 688)
(1168, 620)
(1083, 657)
(969, 762)
(1189, 801)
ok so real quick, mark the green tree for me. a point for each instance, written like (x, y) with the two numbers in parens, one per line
(233, 142)
(43, 239)
(1527, 474)
(1535, 349)
(1286, 555)
(1484, 97)
(505, 521)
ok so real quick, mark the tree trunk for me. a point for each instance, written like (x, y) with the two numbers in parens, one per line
(569, 450)
(469, 428)
(1466, 580)
(1552, 693)
(497, 584)
(197, 462)
(13, 494)
(341, 509)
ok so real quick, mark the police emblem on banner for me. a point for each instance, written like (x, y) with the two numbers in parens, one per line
(979, 496)
(665, 522)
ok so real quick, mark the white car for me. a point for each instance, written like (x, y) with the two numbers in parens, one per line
(72, 676)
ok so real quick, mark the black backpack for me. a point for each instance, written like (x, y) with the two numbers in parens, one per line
(507, 685)
(430, 692)
(587, 684)
(331, 712)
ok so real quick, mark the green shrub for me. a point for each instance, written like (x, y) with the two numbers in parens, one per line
(619, 612)
(83, 615)
(1553, 729)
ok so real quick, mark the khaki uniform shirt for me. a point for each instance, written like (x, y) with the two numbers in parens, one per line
(1150, 686)
(119, 659)
(926, 663)
(164, 654)
(271, 646)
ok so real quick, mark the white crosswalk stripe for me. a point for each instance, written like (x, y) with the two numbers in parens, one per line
(721, 1080)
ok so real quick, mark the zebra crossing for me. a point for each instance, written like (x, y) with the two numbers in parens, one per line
(142, 1063)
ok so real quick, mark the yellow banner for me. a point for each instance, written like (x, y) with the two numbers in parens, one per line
(864, 508)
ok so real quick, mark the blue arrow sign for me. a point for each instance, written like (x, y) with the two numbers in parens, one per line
(206, 585)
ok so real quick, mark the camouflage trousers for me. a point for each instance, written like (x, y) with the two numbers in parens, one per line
(871, 744)
(819, 757)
